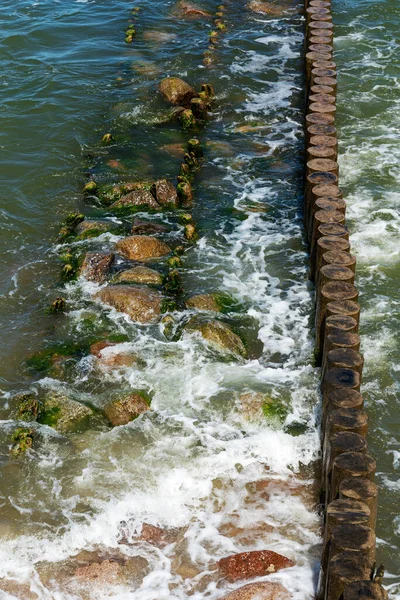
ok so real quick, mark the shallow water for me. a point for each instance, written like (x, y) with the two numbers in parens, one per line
(195, 465)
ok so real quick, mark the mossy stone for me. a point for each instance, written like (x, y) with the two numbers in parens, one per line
(28, 407)
(22, 440)
(63, 413)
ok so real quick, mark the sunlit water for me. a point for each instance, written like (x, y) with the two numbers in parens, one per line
(194, 465)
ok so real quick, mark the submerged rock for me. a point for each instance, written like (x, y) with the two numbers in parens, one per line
(247, 565)
(107, 571)
(203, 302)
(256, 406)
(192, 11)
(141, 227)
(218, 334)
(267, 590)
(90, 228)
(165, 193)
(63, 413)
(28, 407)
(137, 199)
(142, 275)
(140, 303)
(142, 247)
(22, 440)
(159, 36)
(96, 266)
(110, 359)
(266, 8)
(114, 568)
(121, 412)
(176, 91)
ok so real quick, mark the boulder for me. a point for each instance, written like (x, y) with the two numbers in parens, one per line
(96, 266)
(139, 275)
(266, 8)
(247, 565)
(165, 193)
(142, 247)
(156, 536)
(191, 11)
(121, 412)
(176, 91)
(203, 302)
(218, 334)
(110, 359)
(90, 228)
(137, 199)
(141, 227)
(259, 591)
(140, 303)
(63, 413)
(114, 569)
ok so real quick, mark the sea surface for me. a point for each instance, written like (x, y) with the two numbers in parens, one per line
(205, 464)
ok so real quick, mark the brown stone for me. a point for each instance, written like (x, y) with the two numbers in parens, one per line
(140, 303)
(218, 334)
(142, 275)
(141, 227)
(266, 8)
(203, 302)
(97, 347)
(247, 565)
(105, 572)
(165, 193)
(137, 199)
(266, 590)
(121, 412)
(142, 247)
(176, 91)
(156, 536)
(192, 11)
(96, 266)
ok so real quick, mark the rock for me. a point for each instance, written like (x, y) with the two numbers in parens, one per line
(159, 36)
(165, 193)
(97, 347)
(115, 569)
(266, 8)
(247, 565)
(111, 359)
(141, 227)
(96, 266)
(140, 303)
(203, 302)
(139, 275)
(121, 412)
(218, 334)
(193, 12)
(142, 247)
(63, 413)
(176, 91)
(259, 591)
(146, 67)
(105, 572)
(156, 536)
(175, 150)
(28, 407)
(88, 229)
(137, 199)
(22, 440)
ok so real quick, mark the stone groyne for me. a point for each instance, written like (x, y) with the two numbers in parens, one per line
(348, 492)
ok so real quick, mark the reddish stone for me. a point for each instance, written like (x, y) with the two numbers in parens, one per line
(97, 347)
(247, 565)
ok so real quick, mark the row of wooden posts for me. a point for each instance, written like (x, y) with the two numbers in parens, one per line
(349, 493)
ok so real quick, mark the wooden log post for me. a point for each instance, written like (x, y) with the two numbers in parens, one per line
(331, 292)
(342, 358)
(344, 259)
(322, 164)
(339, 399)
(326, 129)
(343, 307)
(341, 340)
(338, 443)
(364, 590)
(325, 244)
(313, 56)
(312, 181)
(351, 464)
(314, 152)
(344, 568)
(362, 490)
(343, 322)
(333, 273)
(322, 217)
(347, 419)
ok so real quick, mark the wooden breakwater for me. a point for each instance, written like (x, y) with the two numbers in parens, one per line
(349, 494)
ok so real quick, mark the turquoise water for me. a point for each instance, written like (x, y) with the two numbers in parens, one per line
(196, 465)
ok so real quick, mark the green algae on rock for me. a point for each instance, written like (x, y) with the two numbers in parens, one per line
(22, 440)
(176, 91)
(63, 413)
(140, 303)
(205, 302)
(28, 407)
(136, 200)
(125, 410)
(218, 334)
